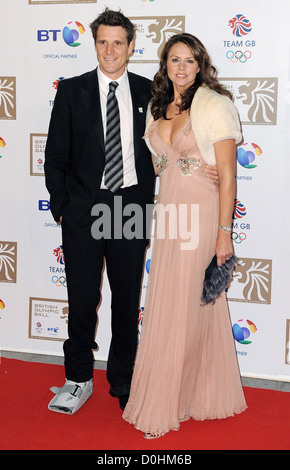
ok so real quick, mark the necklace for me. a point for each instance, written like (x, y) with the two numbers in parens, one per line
(175, 105)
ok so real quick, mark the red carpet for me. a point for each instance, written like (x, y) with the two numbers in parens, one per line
(27, 424)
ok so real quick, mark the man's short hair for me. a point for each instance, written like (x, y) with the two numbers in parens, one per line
(113, 18)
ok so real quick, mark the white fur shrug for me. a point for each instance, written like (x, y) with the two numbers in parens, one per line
(214, 117)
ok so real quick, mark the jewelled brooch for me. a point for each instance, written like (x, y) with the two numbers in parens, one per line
(184, 163)
(161, 162)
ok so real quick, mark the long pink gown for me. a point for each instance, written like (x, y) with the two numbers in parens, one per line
(186, 364)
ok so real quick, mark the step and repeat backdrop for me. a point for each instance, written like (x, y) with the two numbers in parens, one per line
(50, 40)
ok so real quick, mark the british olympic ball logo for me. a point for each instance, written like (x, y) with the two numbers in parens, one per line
(240, 25)
(58, 253)
(239, 210)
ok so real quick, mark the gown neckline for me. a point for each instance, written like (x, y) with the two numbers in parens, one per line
(179, 132)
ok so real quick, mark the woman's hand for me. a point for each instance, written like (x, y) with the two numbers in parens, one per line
(224, 247)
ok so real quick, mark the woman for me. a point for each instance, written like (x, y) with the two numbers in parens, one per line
(186, 362)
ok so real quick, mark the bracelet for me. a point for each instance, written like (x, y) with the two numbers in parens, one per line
(226, 228)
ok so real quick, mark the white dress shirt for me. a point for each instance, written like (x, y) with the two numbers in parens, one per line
(123, 96)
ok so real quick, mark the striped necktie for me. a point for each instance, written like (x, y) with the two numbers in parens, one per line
(113, 146)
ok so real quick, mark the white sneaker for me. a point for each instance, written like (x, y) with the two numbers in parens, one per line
(71, 397)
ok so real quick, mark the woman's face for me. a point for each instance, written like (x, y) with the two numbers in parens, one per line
(181, 66)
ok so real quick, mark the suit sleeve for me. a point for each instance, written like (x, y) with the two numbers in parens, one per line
(57, 152)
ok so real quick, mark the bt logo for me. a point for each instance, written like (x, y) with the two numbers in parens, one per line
(43, 205)
(242, 330)
(2, 144)
(139, 51)
(147, 265)
(70, 34)
(247, 154)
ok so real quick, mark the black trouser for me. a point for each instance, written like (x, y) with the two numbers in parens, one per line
(84, 261)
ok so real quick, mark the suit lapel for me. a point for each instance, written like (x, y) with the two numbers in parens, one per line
(139, 104)
(91, 96)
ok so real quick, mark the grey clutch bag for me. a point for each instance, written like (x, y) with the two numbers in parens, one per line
(216, 279)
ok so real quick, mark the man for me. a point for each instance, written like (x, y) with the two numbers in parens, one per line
(75, 170)
(83, 159)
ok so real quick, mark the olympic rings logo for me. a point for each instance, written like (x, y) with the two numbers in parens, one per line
(238, 237)
(238, 56)
(59, 281)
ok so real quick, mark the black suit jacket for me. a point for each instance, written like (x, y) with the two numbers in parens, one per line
(74, 156)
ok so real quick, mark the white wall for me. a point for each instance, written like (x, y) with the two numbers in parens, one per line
(34, 57)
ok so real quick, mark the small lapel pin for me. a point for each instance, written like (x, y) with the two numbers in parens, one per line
(140, 110)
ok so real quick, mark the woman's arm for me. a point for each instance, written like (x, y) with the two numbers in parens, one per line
(225, 152)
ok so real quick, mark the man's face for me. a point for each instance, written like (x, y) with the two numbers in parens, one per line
(112, 50)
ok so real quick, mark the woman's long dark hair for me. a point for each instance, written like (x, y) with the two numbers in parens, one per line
(162, 87)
